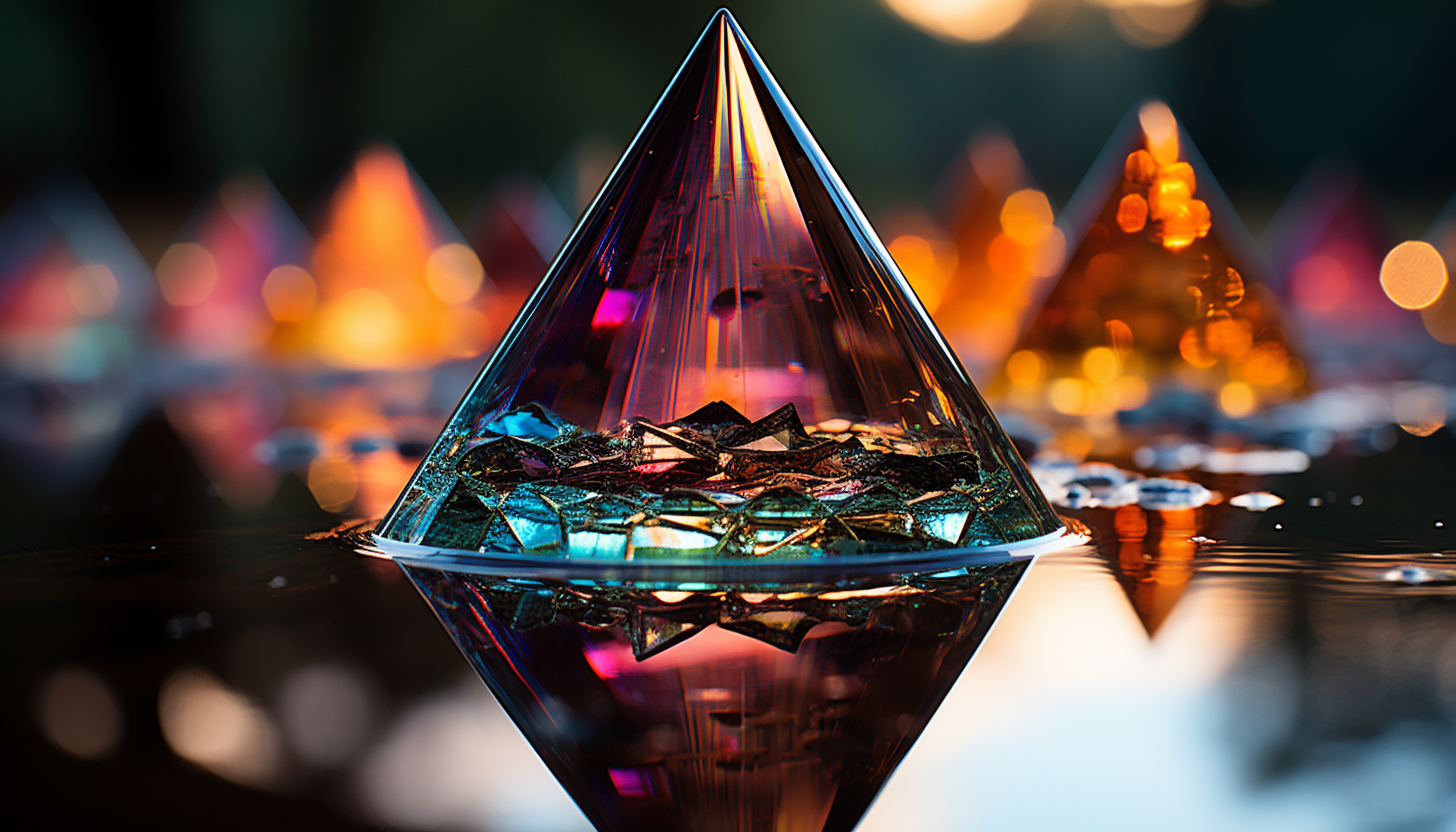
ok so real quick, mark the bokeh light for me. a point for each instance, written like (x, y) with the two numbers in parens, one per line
(79, 713)
(1413, 275)
(962, 20)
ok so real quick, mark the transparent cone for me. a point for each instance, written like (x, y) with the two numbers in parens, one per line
(722, 519)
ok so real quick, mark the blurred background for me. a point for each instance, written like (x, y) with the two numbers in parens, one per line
(251, 254)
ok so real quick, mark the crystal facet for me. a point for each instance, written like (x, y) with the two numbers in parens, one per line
(723, 361)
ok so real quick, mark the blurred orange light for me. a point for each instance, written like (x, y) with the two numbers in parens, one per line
(1132, 213)
(1160, 129)
(1101, 365)
(454, 273)
(966, 20)
(1237, 399)
(1413, 275)
(1120, 334)
(1025, 367)
(290, 293)
(1071, 396)
(363, 329)
(1027, 217)
(924, 267)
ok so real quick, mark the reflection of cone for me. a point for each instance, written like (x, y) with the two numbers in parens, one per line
(1002, 242)
(722, 365)
(1161, 292)
(396, 285)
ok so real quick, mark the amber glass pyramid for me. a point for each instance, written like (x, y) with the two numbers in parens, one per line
(1161, 293)
(722, 362)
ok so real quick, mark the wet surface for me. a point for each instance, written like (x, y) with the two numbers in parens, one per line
(1290, 668)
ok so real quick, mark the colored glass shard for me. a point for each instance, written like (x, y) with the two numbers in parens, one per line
(396, 285)
(781, 708)
(74, 299)
(1160, 295)
(722, 362)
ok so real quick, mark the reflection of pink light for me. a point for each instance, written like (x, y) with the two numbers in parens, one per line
(606, 661)
(654, 467)
(630, 782)
(616, 308)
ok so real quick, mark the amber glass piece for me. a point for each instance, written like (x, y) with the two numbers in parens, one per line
(723, 361)
(1160, 291)
(1154, 560)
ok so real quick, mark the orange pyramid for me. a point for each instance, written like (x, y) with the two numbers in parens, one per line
(1161, 294)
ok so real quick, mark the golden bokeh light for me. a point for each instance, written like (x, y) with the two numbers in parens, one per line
(1160, 129)
(1237, 399)
(1027, 217)
(963, 20)
(333, 483)
(79, 713)
(1025, 367)
(1132, 212)
(363, 329)
(454, 273)
(1413, 275)
(1072, 396)
(1420, 410)
(1101, 365)
(208, 723)
(926, 265)
(290, 293)
(187, 274)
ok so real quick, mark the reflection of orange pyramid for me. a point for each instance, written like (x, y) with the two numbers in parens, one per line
(1154, 562)
(396, 284)
(979, 285)
(1160, 291)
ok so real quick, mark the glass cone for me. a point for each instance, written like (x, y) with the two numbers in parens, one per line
(713, 521)
(723, 361)
(1162, 294)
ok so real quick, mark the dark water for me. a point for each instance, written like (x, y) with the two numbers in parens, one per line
(1292, 669)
